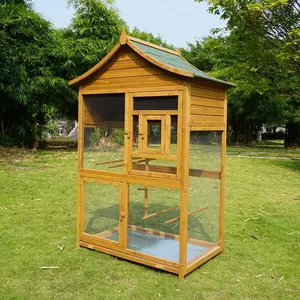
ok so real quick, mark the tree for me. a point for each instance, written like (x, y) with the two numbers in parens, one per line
(149, 37)
(277, 21)
(272, 27)
(37, 61)
(256, 71)
(30, 91)
(95, 29)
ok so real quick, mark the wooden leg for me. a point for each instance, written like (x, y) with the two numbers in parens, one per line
(146, 198)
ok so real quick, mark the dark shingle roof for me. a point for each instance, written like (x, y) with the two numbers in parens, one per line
(178, 62)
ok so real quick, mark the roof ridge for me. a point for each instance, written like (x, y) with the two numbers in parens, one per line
(174, 52)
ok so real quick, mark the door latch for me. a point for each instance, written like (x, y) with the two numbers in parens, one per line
(127, 133)
(122, 216)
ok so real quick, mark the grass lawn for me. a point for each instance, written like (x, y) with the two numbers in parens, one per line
(38, 214)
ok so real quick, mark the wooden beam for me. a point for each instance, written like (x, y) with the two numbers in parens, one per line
(130, 178)
(124, 215)
(155, 112)
(184, 190)
(124, 37)
(80, 186)
(173, 170)
(154, 155)
(146, 195)
(204, 258)
(223, 172)
(131, 257)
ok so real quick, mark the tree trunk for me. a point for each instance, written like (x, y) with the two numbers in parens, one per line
(258, 133)
(292, 135)
(35, 131)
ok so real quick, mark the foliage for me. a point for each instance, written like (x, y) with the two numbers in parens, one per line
(37, 61)
(96, 19)
(277, 21)
(95, 136)
(30, 90)
(255, 55)
(117, 136)
(149, 37)
(93, 32)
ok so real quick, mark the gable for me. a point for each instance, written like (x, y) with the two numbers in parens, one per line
(128, 70)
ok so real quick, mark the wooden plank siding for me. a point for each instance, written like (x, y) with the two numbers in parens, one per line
(128, 71)
(207, 107)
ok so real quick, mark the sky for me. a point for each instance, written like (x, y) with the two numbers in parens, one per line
(177, 21)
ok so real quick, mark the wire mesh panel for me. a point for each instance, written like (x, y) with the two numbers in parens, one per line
(205, 150)
(174, 135)
(101, 209)
(204, 189)
(154, 221)
(156, 103)
(154, 134)
(104, 132)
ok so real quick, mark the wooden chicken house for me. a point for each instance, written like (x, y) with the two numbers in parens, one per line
(151, 158)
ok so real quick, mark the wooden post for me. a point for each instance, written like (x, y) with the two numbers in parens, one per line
(223, 170)
(124, 213)
(146, 196)
(80, 184)
(184, 190)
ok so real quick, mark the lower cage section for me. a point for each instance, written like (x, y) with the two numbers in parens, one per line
(162, 247)
(153, 248)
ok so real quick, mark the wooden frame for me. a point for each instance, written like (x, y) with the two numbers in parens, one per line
(145, 133)
(202, 106)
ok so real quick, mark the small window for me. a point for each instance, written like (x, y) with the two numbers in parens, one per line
(156, 103)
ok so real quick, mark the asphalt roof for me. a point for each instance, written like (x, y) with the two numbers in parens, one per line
(177, 61)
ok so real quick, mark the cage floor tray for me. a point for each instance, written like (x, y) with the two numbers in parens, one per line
(162, 247)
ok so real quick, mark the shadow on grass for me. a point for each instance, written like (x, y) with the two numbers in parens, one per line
(267, 144)
(97, 219)
(293, 164)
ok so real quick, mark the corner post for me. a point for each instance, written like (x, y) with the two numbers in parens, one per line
(184, 190)
(223, 171)
(79, 166)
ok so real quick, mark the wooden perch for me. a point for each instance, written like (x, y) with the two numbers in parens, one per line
(146, 160)
(113, 161)
(144, 189)
(116, 166)
(160, 212)
(137, 162)
(190, 214)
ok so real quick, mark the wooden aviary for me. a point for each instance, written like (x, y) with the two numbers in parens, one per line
(151, 158)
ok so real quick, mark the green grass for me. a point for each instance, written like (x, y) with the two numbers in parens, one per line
(38, 213)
